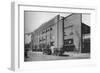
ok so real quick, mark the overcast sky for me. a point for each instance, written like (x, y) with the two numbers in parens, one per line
(34, 19)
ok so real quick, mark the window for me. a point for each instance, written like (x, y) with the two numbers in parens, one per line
(51, 28)
(42, 32)
(68, 41)
(71, 33)
(48, 29)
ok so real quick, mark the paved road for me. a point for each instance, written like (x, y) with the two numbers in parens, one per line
(38, 56)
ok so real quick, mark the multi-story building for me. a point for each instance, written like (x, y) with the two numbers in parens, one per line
(60, 32)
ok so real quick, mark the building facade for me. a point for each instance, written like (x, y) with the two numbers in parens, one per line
(72, 32)
(60, 32)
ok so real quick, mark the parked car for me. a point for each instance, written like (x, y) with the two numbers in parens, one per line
(58, 52)
(47, 50)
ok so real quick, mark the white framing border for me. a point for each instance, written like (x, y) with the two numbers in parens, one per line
(17, 59)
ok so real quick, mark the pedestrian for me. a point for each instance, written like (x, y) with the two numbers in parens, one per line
(52, 49)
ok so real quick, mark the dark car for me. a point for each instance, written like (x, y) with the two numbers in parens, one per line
(47, 51)
(59, 52)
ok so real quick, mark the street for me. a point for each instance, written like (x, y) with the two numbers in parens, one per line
(39, 56)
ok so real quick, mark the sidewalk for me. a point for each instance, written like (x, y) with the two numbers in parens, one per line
(73, 54)
(31, 54)
(39, 56)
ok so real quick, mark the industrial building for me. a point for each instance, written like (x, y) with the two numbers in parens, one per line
(67, 32)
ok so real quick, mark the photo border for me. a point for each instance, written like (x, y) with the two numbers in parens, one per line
(17, 38)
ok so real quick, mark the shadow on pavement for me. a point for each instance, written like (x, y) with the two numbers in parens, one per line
(64, 55)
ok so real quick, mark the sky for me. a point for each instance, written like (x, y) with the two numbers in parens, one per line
(33, 20)
(86, 18)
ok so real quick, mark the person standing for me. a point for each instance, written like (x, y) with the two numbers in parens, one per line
(52, 49)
